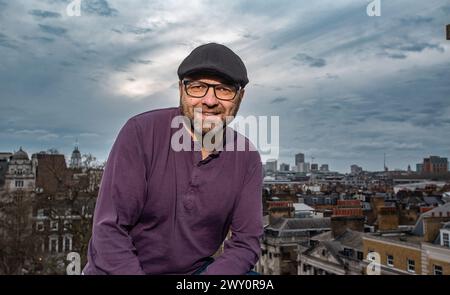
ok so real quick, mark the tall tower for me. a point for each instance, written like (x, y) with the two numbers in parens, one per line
(75, 160)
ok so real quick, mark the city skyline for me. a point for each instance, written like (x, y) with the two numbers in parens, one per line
(347, 87)
(278, 162)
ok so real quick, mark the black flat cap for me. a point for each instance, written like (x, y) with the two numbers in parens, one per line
(217, 59)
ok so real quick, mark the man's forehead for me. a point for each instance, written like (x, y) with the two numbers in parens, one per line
(209, 78)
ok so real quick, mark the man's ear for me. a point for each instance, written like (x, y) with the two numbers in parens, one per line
(241, 93)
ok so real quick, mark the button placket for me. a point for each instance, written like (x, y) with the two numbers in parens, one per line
(189, 201)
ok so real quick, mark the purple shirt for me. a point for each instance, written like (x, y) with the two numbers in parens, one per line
(163, 212)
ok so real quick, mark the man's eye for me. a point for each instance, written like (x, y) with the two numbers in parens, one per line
(197, 87)
(224, 89)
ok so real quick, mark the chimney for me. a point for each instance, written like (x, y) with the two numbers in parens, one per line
(376, 202)
(388, 218)
(339, 224)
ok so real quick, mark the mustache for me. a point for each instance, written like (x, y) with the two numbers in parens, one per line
(208, 110)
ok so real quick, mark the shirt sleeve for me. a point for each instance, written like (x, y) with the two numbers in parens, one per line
(242, 250)
(119, 204)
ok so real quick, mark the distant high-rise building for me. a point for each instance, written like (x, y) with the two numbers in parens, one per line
(324, 168)
(435, 164)
(271, 165)
(303, 167)
(299, 158)
(419, 168)
(355, 169)
(284, 167)
(314, 167)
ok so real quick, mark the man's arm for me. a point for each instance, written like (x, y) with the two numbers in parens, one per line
(242, 251)
(119, 204)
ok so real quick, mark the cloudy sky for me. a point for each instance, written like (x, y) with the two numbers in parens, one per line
(347, 87)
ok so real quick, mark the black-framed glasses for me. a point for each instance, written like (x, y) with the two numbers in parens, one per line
(221, 91)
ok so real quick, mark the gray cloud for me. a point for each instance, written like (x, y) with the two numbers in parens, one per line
(309, 60)
(416, 20)
(399, 50)
(136, 30)
(7, 42)
(279, 100)
(394, 55)
(141, 61)
(39, 39)
(53, 30)
(419, 47)
(98, 7)
(44, 14)
(331, 76)
(446, 8)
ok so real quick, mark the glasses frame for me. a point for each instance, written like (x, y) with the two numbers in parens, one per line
(187, 81)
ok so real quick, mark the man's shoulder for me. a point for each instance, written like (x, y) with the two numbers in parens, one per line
(157, 115)
(150, 123)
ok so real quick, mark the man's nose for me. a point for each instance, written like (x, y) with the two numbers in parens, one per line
(210, 98)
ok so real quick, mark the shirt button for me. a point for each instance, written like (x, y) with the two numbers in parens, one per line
(189, 204)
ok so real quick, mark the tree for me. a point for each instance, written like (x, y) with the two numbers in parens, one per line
(52, 151)
(17, 242)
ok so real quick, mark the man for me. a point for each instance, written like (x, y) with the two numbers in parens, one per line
(161, 210)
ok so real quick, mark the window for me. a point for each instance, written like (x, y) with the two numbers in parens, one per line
(445, 239)
(360, 255)
(40, 214)
(19, 171)
(437, 270)
(390, 260)
(53, 244)
(348, 252)
(411, 265)
(54, 225)
(67, 243)
(67, 225)
(19, 183)
(40, 226)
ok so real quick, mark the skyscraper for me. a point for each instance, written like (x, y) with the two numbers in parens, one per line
(271, 165)
(299, 158)
(284, 167)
